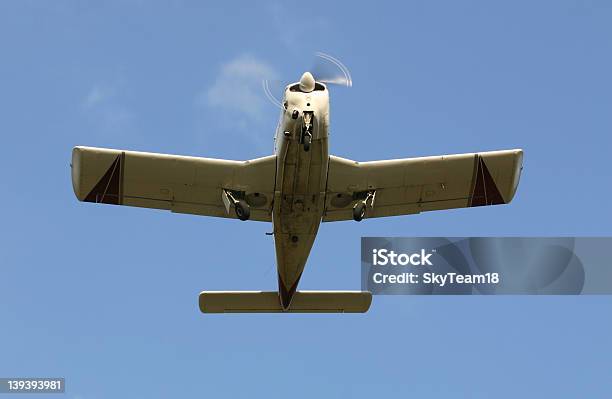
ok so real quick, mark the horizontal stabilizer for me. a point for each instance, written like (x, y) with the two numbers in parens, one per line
(268, 302)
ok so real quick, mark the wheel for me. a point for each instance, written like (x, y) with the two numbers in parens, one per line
(243, 211)
(307, 140)
(359, 211)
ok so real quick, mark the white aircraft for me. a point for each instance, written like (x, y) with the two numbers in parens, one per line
(296, 188)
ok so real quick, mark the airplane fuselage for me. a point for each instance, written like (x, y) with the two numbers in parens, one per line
(301, 180)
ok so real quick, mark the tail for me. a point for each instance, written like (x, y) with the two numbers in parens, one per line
(268, 302)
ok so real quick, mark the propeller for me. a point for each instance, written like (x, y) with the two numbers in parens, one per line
(330, 70)
(326, 69)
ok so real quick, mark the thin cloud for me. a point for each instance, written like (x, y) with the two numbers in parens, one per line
(103, 106)
(97, 95)
(238, 88)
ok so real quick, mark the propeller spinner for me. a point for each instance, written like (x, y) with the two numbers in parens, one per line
(326, 69)
(307, 82)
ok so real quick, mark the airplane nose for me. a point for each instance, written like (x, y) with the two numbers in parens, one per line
(307, 82)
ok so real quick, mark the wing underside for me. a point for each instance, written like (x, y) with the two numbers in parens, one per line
(414, 185)
(177, 183)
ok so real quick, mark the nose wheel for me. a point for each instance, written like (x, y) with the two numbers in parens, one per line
(307, 141)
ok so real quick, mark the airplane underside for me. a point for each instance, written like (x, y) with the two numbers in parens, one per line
(296, 188)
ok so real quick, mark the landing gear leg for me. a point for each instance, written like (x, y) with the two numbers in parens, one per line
(359, 210)
(307, 130)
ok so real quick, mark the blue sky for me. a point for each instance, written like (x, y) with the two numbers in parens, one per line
(107, 296)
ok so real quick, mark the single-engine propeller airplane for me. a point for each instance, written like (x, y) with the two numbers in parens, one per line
(296, 188)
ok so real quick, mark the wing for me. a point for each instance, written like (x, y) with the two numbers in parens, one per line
(414, 185)
(176, 183)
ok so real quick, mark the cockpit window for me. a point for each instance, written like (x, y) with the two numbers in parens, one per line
(296, 87)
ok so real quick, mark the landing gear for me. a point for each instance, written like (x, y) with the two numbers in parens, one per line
(359, 210)
(307, 141)
(243, 210)
(307, 130)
